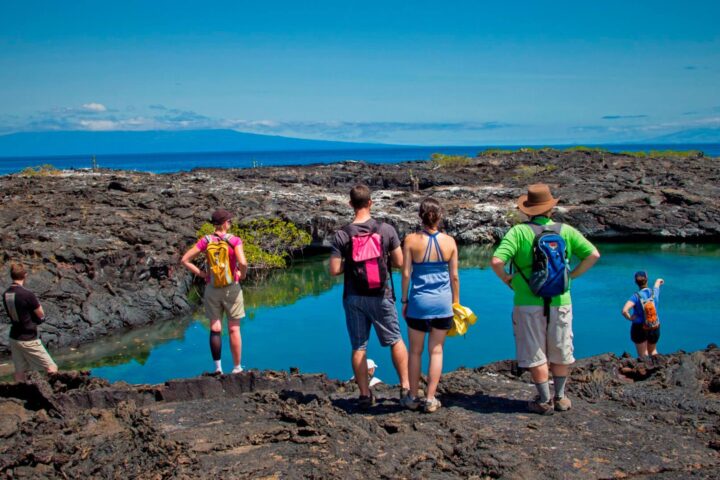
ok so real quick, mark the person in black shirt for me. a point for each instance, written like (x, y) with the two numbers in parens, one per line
(26, 313)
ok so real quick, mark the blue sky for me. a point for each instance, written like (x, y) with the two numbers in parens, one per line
(461, 72)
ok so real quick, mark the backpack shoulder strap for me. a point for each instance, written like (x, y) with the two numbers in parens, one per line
(11, 308)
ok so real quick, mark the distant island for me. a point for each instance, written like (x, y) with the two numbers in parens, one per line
(40, 144)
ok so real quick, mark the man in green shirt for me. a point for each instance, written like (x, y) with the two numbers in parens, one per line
(540, 340)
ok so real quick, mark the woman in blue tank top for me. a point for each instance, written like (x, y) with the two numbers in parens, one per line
(430, 285)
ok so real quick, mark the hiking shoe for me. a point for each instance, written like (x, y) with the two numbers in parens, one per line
(366, 401)
(562, 404)
(237, 369)
(536, 406)
(410, 402)
(217, 372)
(404, 392)
(431, 405)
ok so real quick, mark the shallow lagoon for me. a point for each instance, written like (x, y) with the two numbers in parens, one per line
(296, 319)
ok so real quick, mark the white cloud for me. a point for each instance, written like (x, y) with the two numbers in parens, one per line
(99, 125)
(94, 107)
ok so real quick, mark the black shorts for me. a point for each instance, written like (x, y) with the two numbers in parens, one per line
(425, 325)
(639, 335)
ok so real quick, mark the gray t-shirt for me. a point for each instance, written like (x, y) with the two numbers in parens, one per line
(341, 248)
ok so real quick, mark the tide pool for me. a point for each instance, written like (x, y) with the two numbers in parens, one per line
(296, 319)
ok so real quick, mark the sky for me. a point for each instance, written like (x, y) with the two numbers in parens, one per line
(420, 72)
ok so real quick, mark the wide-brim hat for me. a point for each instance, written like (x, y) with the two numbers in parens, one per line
(538, 200)
(220, 216)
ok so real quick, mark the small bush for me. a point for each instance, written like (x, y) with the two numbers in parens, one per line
(583, 148)
(440, 160)
(496, 151)
(40, 171)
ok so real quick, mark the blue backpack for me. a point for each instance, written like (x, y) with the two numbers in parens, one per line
(550, 267)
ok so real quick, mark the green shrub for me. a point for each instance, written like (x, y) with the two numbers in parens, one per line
(496, 151)
(678, 154)
(40, 171)
(440, 160)
(583, 148)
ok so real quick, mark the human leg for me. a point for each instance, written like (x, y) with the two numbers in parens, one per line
(235, 343)
(387, 327)
(417, 343)
(435, 348)
(560, 353)
(358, 327)
(31, 355)
(642, 349)
(216, 343)
(639, 337)
(653, 337)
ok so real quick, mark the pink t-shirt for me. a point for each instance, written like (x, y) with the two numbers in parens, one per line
(234, 242)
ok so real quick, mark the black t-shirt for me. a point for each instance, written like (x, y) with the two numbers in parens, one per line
(340, 248)
(25, 305)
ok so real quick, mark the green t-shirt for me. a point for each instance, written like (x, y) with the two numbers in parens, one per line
(517, 245)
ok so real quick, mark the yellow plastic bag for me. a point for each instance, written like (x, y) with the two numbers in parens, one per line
(463, 317)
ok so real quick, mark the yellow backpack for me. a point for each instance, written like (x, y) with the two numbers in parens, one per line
(218, 259)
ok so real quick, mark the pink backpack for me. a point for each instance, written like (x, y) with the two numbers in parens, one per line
(366, 262)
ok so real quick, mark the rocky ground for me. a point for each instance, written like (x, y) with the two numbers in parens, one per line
(103, 247)
(658, 419)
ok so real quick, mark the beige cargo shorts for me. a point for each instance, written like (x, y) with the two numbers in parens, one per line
(224, 300)
(30, 355)
(539, 340)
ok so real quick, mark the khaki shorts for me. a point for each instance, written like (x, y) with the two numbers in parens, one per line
(227, 300)
(538, 341)
(30, 355)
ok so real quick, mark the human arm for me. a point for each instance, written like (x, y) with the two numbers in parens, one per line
(626, 310)
(406, 271)
(498, 267)
(186, 260)
(585, 264)
(336, 265)
(454, 275)
(396, 257)
(242, 264)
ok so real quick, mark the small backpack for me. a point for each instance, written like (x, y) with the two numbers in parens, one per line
(549, 276)
(218, 259)
(367, 261)
(649, 310)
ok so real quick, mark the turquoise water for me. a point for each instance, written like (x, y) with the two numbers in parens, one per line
(297, 319)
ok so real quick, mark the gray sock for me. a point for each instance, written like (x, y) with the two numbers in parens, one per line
(544, 391)
(559, 386)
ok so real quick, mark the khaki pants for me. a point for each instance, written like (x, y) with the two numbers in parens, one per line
(30, 355)
(540, 340)
(227, 300)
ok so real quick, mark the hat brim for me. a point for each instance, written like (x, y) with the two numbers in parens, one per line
(537, 208)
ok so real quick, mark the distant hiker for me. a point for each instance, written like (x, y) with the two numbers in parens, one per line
(226, 266)
(365, 251)
(431, 264)
(539, 251)
(26, 313)
(372, 379)
(641, 310)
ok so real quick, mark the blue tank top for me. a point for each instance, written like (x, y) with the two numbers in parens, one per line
(430, 293)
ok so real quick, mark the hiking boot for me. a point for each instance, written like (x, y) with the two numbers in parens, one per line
(410, 402)
(366, 401)
(237, 369)
(431, 405)
(536, 406)
(562, 404)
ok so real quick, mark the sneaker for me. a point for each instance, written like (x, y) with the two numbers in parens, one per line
(237, 369)
(218, 371)
(366, 401)
(410, 402)
(536, 406)
(562, 404)
(431, 405)
(404, 392)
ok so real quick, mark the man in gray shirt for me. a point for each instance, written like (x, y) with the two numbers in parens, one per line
(365, 251)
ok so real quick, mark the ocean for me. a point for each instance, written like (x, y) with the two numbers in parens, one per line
(174, 162)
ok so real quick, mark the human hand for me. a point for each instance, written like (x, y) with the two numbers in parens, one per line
(659, 282)
(507, 280)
